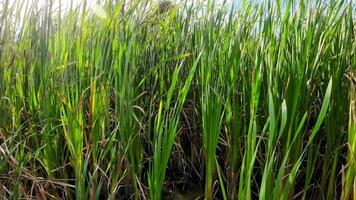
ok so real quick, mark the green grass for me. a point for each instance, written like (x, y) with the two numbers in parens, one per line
(141, 100)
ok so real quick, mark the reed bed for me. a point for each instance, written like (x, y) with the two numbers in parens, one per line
(178, 100)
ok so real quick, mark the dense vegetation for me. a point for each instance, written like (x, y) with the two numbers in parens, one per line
(147, 100)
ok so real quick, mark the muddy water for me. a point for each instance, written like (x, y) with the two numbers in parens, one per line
(189, 195)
